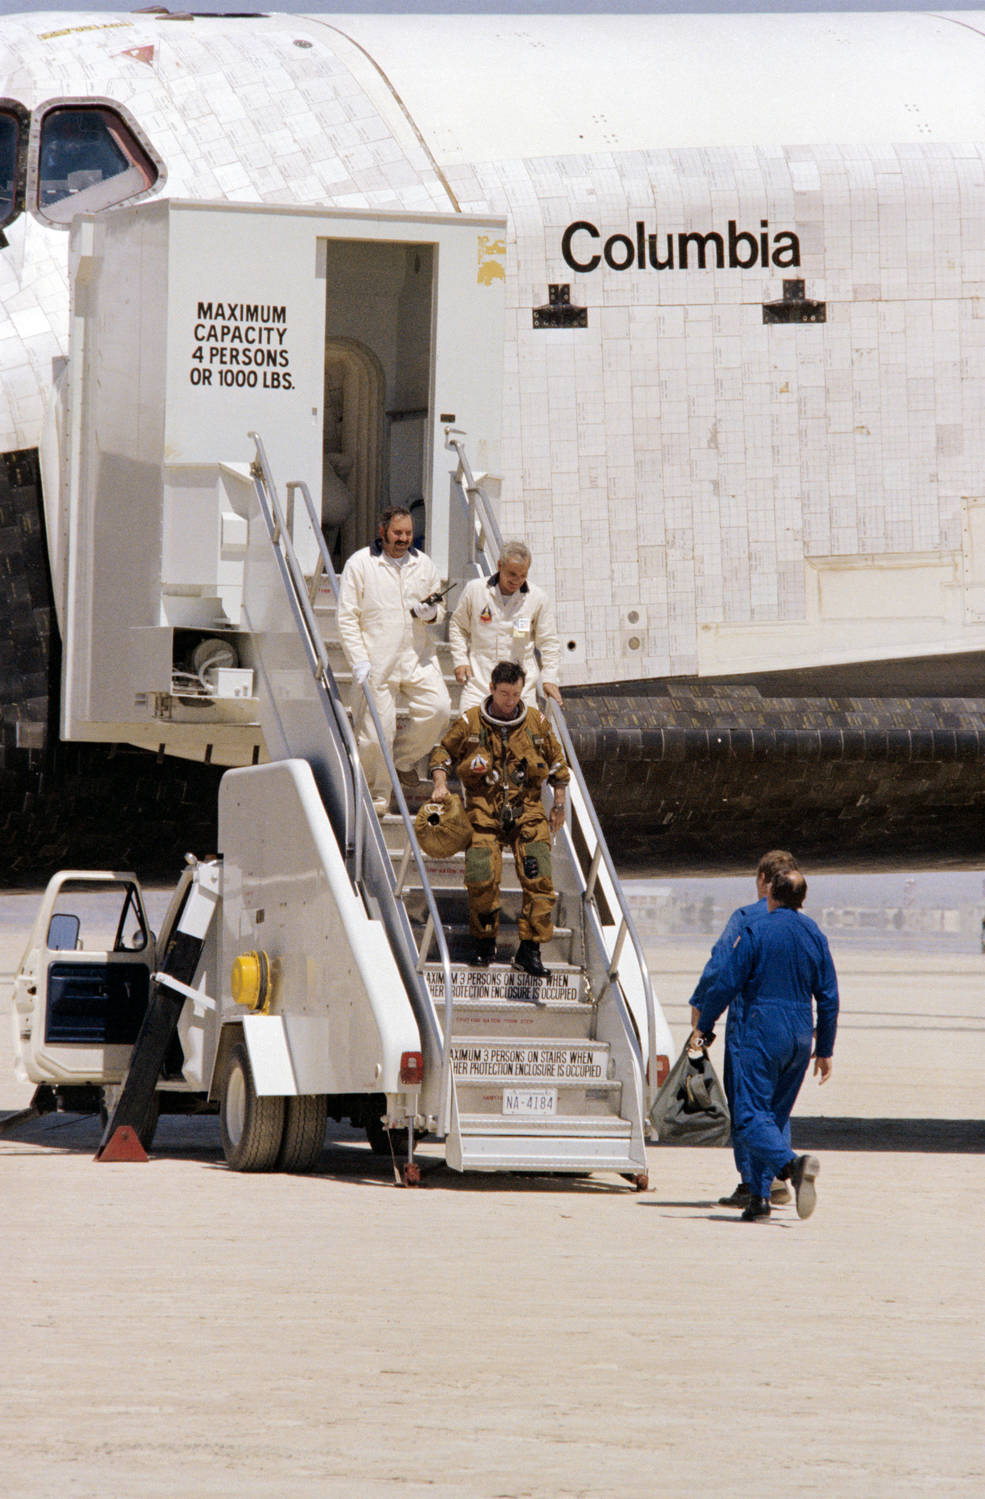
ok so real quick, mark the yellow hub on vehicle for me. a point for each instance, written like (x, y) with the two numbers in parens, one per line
(250, 981)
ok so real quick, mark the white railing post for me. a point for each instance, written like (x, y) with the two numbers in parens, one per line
(283, 539)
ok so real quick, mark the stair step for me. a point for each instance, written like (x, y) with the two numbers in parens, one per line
(521, 1078)
(342, 672)
(522, 1105)
(461, 929)
(517, 1062)
(452, 880)
(444, 874)
(555, 953)
(571, 1126)
(500, 984)
(395, 836)
(519, 1022)
(611, 1151)
(447, 873)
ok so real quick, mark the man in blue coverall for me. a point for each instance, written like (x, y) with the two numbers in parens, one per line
(770, 864)
(777, 965)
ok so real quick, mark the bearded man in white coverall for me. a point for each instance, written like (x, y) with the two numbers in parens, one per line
(387, 598)
(504, 618)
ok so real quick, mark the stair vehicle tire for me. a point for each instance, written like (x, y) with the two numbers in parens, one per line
(386, 1142)
(251, 1127)
(304, 1132)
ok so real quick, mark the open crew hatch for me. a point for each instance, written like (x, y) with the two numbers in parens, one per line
(351, 341)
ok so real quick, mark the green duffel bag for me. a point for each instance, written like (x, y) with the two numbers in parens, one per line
(691, 1108)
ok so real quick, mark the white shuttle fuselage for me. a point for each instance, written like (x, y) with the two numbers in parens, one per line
(741, 286)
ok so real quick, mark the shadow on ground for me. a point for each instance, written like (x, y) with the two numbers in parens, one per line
(347, 1155)
(937, 1136)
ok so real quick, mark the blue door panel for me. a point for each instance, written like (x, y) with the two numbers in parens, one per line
(96, 1004)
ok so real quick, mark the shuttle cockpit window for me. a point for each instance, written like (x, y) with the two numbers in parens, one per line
(9, 132)
(14, 121)
(88, 157)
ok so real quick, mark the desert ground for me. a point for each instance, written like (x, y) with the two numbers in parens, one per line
(176, 1329)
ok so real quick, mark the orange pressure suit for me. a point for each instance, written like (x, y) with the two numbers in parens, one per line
(502, 766)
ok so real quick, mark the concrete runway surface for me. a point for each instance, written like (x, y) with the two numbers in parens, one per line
(175, 1329)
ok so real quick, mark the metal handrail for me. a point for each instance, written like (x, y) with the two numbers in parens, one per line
(359, 783)
(627, 927)
(444, 958)
(279, 528)
(482, 519)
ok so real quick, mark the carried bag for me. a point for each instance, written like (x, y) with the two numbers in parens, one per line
(691, 1107)
(442, 828)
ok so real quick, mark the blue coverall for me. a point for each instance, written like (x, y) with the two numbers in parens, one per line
(779, 963)
(719, 954)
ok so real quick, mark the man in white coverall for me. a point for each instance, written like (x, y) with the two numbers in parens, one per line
(387, 599)
(503, 618)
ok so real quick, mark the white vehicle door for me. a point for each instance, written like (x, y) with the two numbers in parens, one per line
(82, 989)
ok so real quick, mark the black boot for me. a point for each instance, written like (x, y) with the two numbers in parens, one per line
(485, 952)
(758, 1208)
(528, 958)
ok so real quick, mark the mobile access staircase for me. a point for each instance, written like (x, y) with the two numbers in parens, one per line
(554, 1074)
(511, 1072)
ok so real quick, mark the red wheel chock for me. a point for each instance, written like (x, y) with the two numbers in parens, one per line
(123, 1145)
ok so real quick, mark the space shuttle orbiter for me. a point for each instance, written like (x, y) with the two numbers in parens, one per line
(730, 390)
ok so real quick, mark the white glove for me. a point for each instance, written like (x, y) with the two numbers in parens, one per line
(360, 672)
(426, 612)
